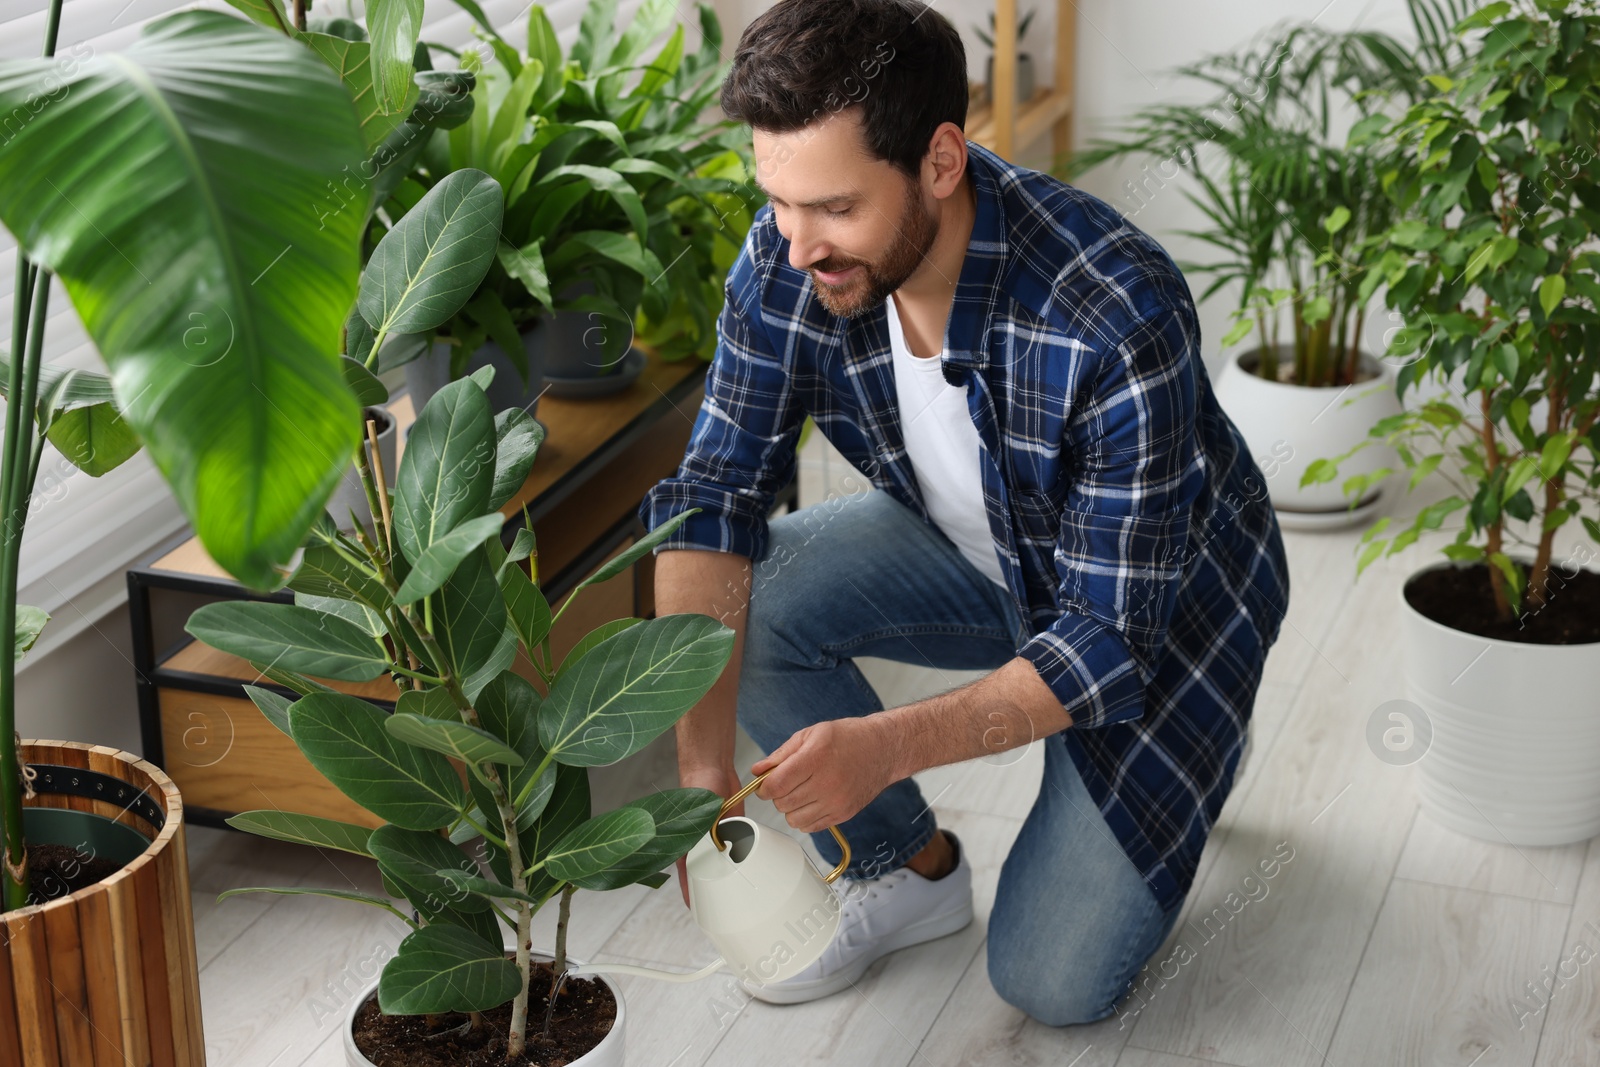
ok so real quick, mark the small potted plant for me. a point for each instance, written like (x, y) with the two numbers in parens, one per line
(608, 193)
(1288, 206)
(212, 342)
(1025, 69)
(1493, 267)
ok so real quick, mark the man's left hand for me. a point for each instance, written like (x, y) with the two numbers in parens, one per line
(826, 773)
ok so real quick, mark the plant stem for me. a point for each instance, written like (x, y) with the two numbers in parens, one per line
(558, 967)
(1491, 459)
(1539, 576)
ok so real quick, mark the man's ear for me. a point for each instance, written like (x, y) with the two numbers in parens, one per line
(946, 161)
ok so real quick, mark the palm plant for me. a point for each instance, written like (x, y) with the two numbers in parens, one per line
(1285, 200)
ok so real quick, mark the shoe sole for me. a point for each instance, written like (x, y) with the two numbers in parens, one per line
(928, 929)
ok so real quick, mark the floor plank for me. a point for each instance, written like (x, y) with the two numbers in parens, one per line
(1436, 983)
(1443, 857)
(1570, 1002)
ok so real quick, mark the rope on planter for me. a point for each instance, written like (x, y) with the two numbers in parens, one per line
(28, 773)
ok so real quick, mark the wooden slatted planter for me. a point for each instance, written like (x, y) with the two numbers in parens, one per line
(106, 976)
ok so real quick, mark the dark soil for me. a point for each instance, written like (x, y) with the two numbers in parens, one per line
(585, 1012)
(1462, 599)
(56, 870)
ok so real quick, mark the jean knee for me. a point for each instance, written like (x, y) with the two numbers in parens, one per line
(1062, 1001)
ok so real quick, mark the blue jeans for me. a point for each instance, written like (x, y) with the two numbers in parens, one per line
(862, 575)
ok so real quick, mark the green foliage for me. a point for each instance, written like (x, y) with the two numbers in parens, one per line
(1287, 206)
(448, 638)
(620, 187)
(1492, 267)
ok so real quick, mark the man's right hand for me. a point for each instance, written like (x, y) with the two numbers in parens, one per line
(724, 782)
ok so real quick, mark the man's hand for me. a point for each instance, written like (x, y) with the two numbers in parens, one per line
(723, 781)
(826, 773)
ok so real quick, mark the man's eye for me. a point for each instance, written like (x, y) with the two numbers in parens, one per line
(839, 214)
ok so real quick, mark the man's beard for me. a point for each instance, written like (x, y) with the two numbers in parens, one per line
(914, 236)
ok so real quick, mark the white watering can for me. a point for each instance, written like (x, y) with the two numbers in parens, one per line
(755, 894)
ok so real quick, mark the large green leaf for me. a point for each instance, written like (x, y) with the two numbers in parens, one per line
(351, 60)
(443, 968)
(393, 27)
(632, 687)
(526, 605)
(519, 436)
(682, 817)
(447, 471)
(470, 622)
(180, 190)
(94, 438)
(290, 637)
(305, 830)
(324, 572)
(344, 738)
(526, 265)
(466, 743)
(439, 560)
(592, 638)
(274, 707)
(427, 267)
(411, 860)
(593, 846)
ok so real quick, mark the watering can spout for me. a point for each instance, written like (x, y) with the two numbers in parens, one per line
(757, 897)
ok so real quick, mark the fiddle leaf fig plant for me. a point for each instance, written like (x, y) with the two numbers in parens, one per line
(1492, 267)
(433, 599)
(220, 327)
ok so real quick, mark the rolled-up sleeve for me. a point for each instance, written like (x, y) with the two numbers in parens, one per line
(1121, 550)
(742, 449)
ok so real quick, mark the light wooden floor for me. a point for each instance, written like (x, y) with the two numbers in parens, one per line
(1386, 940)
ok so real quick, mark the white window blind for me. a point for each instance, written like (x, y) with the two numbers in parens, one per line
(84, 532)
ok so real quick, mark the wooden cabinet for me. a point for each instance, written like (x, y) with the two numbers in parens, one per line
(1007, 126)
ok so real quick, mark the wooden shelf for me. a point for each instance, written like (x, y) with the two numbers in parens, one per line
(1008, 125)
(1033, 117)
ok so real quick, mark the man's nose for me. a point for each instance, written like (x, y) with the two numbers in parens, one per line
(805, 250)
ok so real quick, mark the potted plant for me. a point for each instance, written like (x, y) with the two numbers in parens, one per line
(1286, 205)
(607, 197)
(210, 341)
(436, 601)
(1492, 267)
(1025, 69)
(433, 598)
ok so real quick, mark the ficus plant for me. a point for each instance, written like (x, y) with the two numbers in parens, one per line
(425, 592)
(220, 327)
(1492, 267)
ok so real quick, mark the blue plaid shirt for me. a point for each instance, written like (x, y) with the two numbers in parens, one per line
(1131, 523)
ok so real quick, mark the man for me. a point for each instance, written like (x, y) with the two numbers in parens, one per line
(1058, 497)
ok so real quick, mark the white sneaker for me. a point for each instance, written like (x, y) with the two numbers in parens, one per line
(879, 915)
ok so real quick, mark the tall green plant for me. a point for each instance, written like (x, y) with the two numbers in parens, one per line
(1285, 202)
(167, 188)
(1493, 268)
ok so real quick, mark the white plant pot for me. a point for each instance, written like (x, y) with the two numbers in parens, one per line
(350, 493)
(1288, 426)
(1515, 752)
(608, 1053)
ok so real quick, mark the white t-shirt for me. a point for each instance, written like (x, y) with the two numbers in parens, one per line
(942, 444)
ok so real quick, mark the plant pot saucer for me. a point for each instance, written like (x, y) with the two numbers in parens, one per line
(1313, 521)
(599, 385)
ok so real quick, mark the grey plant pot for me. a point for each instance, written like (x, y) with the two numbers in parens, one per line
(430, 372)
(1025, 79)
(585, 351)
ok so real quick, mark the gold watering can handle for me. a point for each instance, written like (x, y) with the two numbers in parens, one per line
(755, 783)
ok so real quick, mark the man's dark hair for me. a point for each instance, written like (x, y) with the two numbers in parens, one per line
(899, 61)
